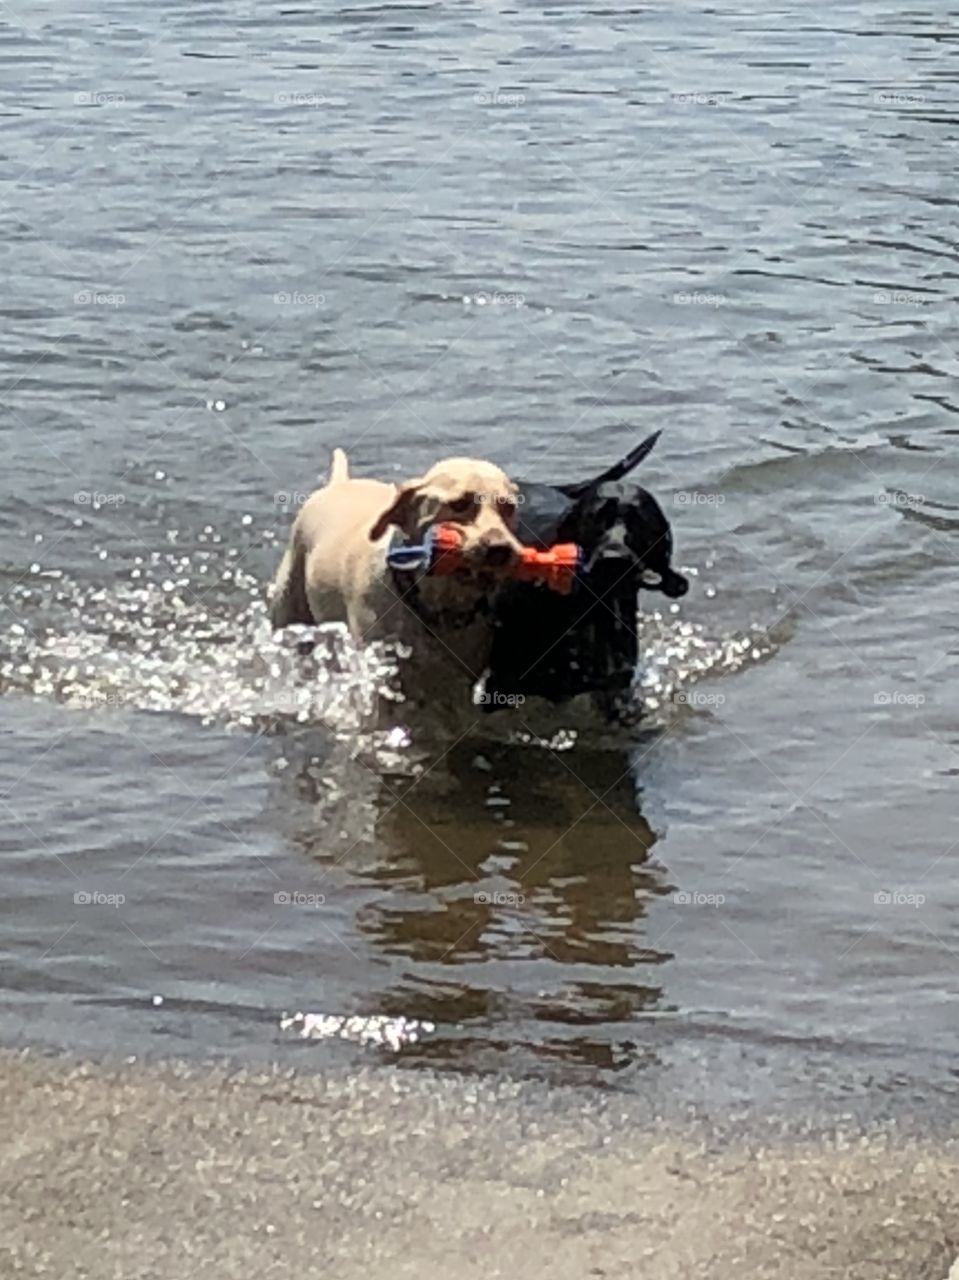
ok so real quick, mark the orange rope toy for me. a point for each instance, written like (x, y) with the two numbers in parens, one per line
(442, 553)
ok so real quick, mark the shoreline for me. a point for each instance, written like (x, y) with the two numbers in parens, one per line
(178, 1170)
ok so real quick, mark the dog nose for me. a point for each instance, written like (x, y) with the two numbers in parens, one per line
(498, 555)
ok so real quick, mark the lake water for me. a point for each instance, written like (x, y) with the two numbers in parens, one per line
(236, 235)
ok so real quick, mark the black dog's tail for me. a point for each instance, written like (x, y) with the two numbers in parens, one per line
(616, 471)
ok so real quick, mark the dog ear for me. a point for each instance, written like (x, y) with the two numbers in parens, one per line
(400, 510)
(669, 582)
(674, 584)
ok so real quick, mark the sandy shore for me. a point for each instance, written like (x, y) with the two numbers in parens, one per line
(176, 1172)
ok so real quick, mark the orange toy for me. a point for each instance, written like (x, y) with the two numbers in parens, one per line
(441, 554)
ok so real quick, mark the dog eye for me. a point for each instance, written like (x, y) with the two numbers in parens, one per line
(460, 506)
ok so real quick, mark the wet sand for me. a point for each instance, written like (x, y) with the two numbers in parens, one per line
(179, 1172)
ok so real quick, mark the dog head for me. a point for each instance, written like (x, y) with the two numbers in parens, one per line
(556, 646)
(623, 532)
(468, 492)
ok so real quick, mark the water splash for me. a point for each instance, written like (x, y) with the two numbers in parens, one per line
(154, 643)
(678, 653)
(189, 634)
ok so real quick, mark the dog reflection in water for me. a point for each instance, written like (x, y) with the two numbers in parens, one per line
(500, 885)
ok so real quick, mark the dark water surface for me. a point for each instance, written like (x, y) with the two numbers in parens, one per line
(233, 236)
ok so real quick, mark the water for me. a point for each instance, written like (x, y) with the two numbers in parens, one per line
(235, 236)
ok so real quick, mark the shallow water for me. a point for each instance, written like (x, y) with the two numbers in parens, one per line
(237, 237)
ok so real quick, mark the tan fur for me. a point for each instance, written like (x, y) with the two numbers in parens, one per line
(334, 569)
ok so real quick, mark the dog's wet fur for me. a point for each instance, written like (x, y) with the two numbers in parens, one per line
(554, 646)
(530, 640)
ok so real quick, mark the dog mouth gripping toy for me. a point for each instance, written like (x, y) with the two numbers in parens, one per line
(565, 612)
(441, 554)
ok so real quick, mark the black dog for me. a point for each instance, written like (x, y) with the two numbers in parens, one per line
(555, 646)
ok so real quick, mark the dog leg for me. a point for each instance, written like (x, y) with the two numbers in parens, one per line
(288, 603)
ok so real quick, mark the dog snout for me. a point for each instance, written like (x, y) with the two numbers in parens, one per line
(614, 549)
(493, 551)
(498, 555)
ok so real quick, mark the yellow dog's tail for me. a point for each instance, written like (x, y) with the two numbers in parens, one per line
(339, 468)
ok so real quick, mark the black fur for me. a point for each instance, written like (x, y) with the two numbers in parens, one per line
(553, 646)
